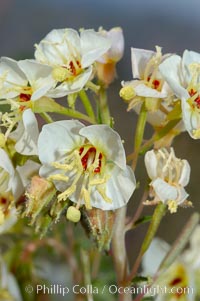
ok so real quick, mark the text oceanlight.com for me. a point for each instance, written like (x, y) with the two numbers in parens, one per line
(57, 289)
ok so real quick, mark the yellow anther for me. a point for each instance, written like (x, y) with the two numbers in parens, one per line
(196, 134)
(2, 217)
(2, 140)
(60, 74)
(64, 195)
(103, 194)
(86, 196)
(127, 93)
(172, 206)
(73, 214)
(58, 177)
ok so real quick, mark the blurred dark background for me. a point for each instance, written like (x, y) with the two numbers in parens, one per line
(174, 25)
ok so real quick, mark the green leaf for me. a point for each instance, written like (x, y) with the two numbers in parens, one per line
(156, 219)
(176, 112)
(143, 220)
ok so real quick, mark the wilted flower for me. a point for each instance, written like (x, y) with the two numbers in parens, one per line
(182, 75)
(86, 164)
(106, 69)
(169, 176)
(71, 57)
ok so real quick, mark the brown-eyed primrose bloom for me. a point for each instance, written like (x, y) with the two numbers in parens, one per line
(183, 76)
(169, 175)
(87, 165)
(22, 83)
(148, 84)
(71, 56)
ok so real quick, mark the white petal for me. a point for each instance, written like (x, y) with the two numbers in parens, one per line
(16, 186)
(39, 77)
(116, 50)
(190, 119)
(185, 174)
(9, 222)
(58, 138)
(57, 47)
(151, 163)
(154, 256)
(145, 91)
(189, 57)
(71, 86)
(173, 74)
(27, 136)
(5, 163)
(140, 58)
(107, 140)
(27, 171)
(164, 191)
(119, 189)
(15, 77)
(93, 46)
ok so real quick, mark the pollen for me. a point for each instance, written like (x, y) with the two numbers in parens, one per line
(127, 93)
(172, 206)
(60, 74)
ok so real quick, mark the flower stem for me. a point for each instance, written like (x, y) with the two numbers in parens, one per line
(104, 109)
(46, 117)
(156, 219)
(87, 105)
(86, 272)
(119, 251)
(139, 134)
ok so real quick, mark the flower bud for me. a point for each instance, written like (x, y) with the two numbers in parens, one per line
(99, 225)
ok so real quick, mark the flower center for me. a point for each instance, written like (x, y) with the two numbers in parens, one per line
(84, 167)
(155, 83)
(89, 157)
(66, 72)
(194, 101)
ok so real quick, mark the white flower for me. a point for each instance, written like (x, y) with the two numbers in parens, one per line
(26, 134)
(169, 176)
(8, 284)
(24, 81)
(71, 57)
(148, 83)
(182, 75)
(87, 164)
(116, 50)
(9, 178)
(179, 277)
(183, 273)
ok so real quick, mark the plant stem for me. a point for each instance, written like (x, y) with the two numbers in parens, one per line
(156, 219)
(46, 117)
(119, 251)
(104, 109)
(87, 105)
(86, 272)
(139, 134)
